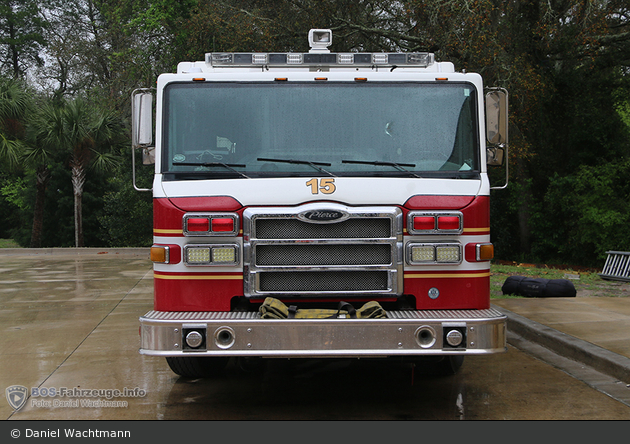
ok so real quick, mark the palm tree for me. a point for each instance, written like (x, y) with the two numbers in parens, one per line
(91, 135)
(15, 102)
(15, 106)
(46, 130)
(88, 135)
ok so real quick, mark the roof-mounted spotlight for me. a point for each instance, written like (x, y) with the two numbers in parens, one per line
(319, 40)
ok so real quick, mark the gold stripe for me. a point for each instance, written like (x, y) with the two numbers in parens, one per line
(163, 231)
(466, 230)
(476, 230)
(198, 277)
(458, 275)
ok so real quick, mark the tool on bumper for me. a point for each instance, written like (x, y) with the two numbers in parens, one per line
(275, 309)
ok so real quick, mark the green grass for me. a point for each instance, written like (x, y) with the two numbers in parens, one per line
(587, 283)
(8, 243)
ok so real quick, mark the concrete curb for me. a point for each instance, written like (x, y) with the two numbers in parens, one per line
(569, 346)
(144, 252)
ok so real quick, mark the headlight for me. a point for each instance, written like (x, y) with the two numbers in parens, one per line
(422, 253)
(211, 255)
(434, 253)
(447, 254)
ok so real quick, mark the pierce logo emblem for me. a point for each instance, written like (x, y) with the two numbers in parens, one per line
(323, 216)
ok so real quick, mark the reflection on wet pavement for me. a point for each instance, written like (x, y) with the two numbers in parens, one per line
(72, 322)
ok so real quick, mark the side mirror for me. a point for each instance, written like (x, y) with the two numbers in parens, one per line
(497, 130)
(142, 130)
(142, 123)
(495, 156)
(497, 116)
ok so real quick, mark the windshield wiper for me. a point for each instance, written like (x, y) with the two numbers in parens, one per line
(300, 162)
(398, 166)
(211, 164)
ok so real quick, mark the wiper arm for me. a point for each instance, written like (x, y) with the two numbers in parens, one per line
(300, 162)
(211, 164)
(398, 166)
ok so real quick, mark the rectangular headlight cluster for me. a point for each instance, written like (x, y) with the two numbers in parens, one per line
(211, 254)
(434, 253)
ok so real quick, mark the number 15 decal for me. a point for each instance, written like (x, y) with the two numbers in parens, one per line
(325, 186)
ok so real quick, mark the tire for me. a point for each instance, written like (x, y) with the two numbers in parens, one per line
(437, 365)
(450, 365)
(197, 367)
(251, 364)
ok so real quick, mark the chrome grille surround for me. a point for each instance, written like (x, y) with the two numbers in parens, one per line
(285, 253)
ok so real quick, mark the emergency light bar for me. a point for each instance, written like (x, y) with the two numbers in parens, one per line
(244, 59)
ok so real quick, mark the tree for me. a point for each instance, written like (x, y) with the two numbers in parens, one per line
(88, 135)
(46, 130)
(15, 102)
(21, 35)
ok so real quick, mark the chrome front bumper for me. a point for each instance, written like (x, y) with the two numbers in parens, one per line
(246, 334)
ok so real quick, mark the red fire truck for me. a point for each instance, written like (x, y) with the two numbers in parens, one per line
(312, 179)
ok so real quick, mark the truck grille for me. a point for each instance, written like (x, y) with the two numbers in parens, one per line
(323, 254)
(349, 229)
(285, 253)
(324, 281)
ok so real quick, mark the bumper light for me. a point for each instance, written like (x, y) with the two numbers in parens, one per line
(454, 338)
(194, 339)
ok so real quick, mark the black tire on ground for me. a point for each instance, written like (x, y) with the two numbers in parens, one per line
(251, 364)
(437, 365)
(196, 366)
(450, 365)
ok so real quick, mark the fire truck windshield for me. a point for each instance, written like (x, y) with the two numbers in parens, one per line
(392, 129)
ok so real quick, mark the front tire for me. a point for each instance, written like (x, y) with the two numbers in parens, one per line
(437, 365)
(450, 365)
(196, 366)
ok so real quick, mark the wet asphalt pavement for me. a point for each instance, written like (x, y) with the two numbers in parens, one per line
(70, 322)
